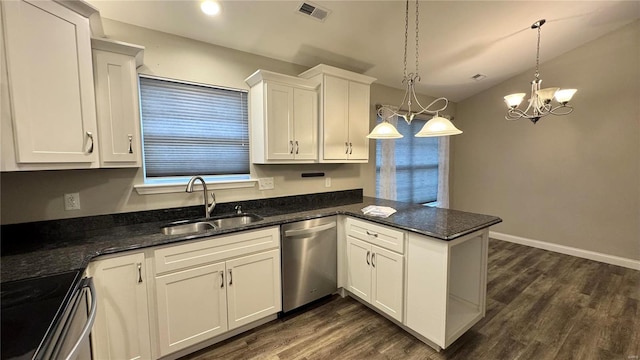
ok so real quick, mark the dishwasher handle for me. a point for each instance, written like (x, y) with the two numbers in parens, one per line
(88, 282)
(315, 229)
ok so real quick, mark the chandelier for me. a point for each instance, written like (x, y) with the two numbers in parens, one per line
(410, 106)
(540, 101)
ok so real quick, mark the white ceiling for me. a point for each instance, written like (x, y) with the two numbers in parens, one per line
(458, 39)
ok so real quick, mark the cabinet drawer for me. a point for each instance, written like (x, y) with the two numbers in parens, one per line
(382, 236)
(215, 249)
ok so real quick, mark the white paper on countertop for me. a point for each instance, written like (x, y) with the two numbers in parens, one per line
(379, 211)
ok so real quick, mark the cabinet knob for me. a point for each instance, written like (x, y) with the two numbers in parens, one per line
(297, 147)
(90, 136)
(130, 143)
(373, 257)
(221, 279)
(372, 234)
(291, 143)
(368, 254)
(350, 148)
(230, 277)
(346, 146)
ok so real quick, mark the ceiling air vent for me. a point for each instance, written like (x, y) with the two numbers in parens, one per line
(313, 10)
(479, 77)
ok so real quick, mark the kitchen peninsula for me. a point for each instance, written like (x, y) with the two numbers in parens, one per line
(434, 260)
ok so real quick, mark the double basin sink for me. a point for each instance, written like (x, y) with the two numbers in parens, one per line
(202, 225)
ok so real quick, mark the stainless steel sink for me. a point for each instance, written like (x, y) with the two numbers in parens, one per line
(235, 220)
(188, 228)
(210, 224)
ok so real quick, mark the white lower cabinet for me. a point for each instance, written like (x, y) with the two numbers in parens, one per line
(446, 285)
(223, 283)
(375, 274)
(192, 307)
(121, 328)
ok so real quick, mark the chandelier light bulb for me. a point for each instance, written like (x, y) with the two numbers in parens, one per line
(547, 94)
(564, 96)
(384, 130)
(438, 126)
(514, 100)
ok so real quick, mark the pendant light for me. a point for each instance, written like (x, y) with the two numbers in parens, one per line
(437, 126)
(540, 100)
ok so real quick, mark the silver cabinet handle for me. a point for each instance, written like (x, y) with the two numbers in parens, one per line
(90, 136)
(221, 279)
(350, 148)
(372, 234)
(130, 143)
(88, 282)
(368, 253)
(139, 273)
(291, 143)
(230, 277)
(297, 147)
(346, 146)
(373, 257)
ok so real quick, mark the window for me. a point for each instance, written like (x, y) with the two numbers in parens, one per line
(193, 129)
(416, 164)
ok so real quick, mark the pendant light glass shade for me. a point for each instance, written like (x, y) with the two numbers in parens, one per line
(438, 126)
(384, 130)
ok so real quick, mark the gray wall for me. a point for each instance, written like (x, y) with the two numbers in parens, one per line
(571, 180)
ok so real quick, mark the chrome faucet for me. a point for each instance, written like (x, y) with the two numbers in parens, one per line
(207, 208)
(238, 209)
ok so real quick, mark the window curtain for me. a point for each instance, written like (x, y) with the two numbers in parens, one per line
(443, 172)
(388, 187)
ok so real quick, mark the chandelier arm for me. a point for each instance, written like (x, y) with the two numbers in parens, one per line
(426, 109)
(554, 111)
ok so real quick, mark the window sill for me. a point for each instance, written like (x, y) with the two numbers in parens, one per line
(179, 187)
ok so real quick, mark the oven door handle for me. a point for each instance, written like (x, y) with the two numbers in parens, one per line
(88, 282)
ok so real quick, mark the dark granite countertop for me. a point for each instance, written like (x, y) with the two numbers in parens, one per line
(59, 253)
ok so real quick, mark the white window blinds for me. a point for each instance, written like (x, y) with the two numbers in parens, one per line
(416, 162)
(191, 129)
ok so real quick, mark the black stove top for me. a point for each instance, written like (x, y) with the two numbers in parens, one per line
(29, 309)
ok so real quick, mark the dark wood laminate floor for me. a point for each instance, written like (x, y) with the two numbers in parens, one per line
(540, 305)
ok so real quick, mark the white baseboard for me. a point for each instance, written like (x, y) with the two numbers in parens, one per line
(567, 250)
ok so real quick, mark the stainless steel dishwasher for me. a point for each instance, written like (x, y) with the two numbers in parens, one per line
(309, 264)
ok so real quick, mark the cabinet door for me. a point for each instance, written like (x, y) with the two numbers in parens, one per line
(305, 124)
(51, 83)
(335, 119)
(279, 129)
(253, 287)
(191, 307)
(118, 112)
(359, 268)
(358, 121)
(387, 281)
(121, 328)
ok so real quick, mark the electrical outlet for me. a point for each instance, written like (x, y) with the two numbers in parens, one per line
(265, 183)
(327, 182)
(72, 201)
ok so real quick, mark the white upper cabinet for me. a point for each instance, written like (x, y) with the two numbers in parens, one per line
(284, 119)
(118, 111)
(344, 114)
(52, 119)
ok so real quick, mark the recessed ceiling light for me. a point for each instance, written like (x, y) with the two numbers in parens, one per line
(210, 7)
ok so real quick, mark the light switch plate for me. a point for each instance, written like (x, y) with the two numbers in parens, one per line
(327, 182)
(265, 183)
